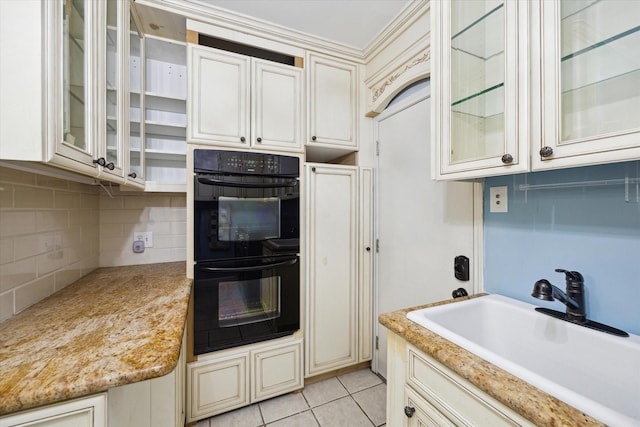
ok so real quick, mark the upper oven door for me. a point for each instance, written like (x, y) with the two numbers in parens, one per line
(241, 216)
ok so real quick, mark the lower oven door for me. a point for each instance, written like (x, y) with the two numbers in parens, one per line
(242, 301)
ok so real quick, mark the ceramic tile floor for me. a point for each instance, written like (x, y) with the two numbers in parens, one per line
(352, 400)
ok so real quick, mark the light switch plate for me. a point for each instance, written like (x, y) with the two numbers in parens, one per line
(498, 199)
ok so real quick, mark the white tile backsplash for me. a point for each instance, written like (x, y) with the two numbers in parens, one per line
(54, 231)
(44, 223)
(164, 214)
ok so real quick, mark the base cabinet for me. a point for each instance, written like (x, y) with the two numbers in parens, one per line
(158, 402)
(423, 392)
(234, 378)
(85, 412)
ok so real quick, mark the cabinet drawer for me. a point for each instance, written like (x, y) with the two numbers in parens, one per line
(459, 400)
(420, 413)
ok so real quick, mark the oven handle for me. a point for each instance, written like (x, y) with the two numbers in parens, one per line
(289, 261)
(222, 183)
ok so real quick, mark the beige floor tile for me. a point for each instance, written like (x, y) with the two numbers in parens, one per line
(282, 407)
(359, 380)
(373, 402)
(304, 419)
(248, 416)
(203, 423)
(324, 391)
(343, 412)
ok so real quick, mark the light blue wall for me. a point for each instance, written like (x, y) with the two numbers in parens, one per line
(592, 230)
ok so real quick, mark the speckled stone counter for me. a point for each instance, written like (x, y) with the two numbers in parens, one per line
(115, 326)
(525, 399)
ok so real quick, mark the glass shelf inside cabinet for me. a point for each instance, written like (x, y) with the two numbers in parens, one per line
(477, 57)
(600, 67)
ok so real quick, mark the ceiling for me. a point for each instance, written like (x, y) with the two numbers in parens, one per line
(353, 23)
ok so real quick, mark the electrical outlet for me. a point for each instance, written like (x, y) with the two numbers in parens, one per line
(498, 199)
(144, 236)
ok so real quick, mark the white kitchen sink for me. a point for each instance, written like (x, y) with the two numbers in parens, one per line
(592, 371)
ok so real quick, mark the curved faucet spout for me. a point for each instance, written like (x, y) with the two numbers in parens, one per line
(544, 290)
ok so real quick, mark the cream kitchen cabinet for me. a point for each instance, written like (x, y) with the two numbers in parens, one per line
(229, 379)
(526, 86)
(332, 103)
(62, 84)
(85, 412)
(590, 83)
(338, 292)
(423, 392)
(480, 88)
(239, 101)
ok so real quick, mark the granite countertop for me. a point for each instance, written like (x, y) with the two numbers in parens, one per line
(115, 326)
(525, 399)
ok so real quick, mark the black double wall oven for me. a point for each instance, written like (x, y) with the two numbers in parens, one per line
(246, 236)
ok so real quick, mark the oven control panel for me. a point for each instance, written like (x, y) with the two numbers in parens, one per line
(241, 162)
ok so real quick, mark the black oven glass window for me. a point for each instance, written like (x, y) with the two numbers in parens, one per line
(249, 301)
(248, 220)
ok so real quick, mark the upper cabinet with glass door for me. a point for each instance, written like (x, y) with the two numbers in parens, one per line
(117, 15)
(135, 166)
(480, 121)
(590, 83)
(72, 136)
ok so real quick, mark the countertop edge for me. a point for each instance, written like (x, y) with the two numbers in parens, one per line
(498, 383)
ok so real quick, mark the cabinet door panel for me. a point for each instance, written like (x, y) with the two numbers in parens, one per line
(217, 386)
(276, 371)
(590, 83)
(276, 105)
(219, 97)
(480, 81)
(331, 326)
(333, 98)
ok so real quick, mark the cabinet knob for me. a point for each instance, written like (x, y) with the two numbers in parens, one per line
(101, 161)
(546, 151)
(368, 249)
(507, 158)
(133, 175)
(259, 139)
(409, 411)
(243, 139)
(313, 138)
(110, 166)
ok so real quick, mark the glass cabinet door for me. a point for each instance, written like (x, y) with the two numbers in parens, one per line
(136, 102)
(591, 81)
(477, 87)
(477, 79)
(113, 87)
(75, 51)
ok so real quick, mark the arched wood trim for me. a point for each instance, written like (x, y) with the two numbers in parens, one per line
(384, 90)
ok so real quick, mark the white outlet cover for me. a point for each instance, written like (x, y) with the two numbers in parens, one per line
(144, 236)
(499, 199)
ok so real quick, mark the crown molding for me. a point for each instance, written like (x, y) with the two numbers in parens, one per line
(411, 13)
(237, 22)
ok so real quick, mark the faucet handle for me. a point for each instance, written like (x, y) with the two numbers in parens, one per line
(571, 276)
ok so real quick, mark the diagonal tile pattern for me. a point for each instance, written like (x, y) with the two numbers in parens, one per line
(351, 400)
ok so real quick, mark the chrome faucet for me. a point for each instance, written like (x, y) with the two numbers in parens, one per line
(573, 299)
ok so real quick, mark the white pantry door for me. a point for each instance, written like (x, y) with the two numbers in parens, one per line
(421, 224)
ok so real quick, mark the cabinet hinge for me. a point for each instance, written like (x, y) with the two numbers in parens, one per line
(377, 246)
(377, 148)
(377, 343)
